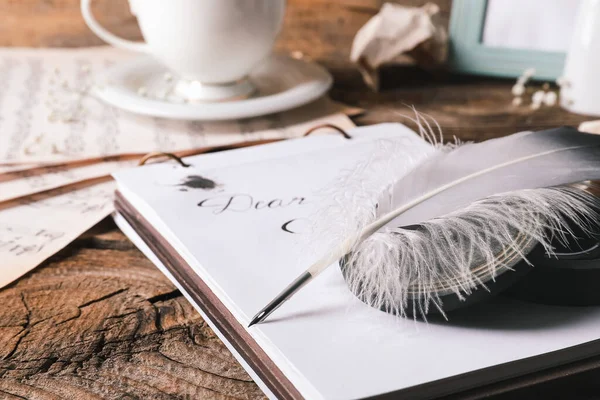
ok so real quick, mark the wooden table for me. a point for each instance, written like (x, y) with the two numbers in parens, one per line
(98, 320)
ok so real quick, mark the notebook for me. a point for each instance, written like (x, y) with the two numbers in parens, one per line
(231, 231)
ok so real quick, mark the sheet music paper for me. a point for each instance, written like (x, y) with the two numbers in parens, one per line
(47, 113)
(243, 236)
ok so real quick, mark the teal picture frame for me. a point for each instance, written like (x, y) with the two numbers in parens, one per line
(469, 55)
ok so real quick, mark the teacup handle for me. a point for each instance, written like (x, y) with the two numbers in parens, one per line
(105, 35)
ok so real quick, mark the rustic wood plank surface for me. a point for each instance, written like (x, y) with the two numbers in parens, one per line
(99, 321)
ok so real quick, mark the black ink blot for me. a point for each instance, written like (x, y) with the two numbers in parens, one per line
(198, 182)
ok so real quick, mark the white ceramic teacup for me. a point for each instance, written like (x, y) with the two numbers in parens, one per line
(211, 45)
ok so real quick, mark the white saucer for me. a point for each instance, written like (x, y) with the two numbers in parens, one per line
(143, 86)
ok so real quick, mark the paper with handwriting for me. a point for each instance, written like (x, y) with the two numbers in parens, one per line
(48, 114)
(245, 230)
(327, 342)
(34, 229)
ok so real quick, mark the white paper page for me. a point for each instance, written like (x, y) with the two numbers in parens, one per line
(328, 343)
(48, 115)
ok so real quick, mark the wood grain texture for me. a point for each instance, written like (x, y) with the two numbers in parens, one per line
(99, 321)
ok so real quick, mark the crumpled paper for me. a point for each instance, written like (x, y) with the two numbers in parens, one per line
(397, 32)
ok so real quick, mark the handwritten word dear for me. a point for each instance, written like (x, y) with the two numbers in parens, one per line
(245, 202)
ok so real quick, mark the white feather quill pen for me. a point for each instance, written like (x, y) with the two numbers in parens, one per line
(479, 208)
(457, 220)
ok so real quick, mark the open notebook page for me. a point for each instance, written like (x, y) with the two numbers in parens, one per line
(324, 340)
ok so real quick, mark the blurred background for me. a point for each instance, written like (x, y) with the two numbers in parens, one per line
(321, 29)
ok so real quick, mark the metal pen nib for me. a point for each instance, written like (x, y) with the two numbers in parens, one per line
(282, 297)
(303, 279)
(322, 264)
